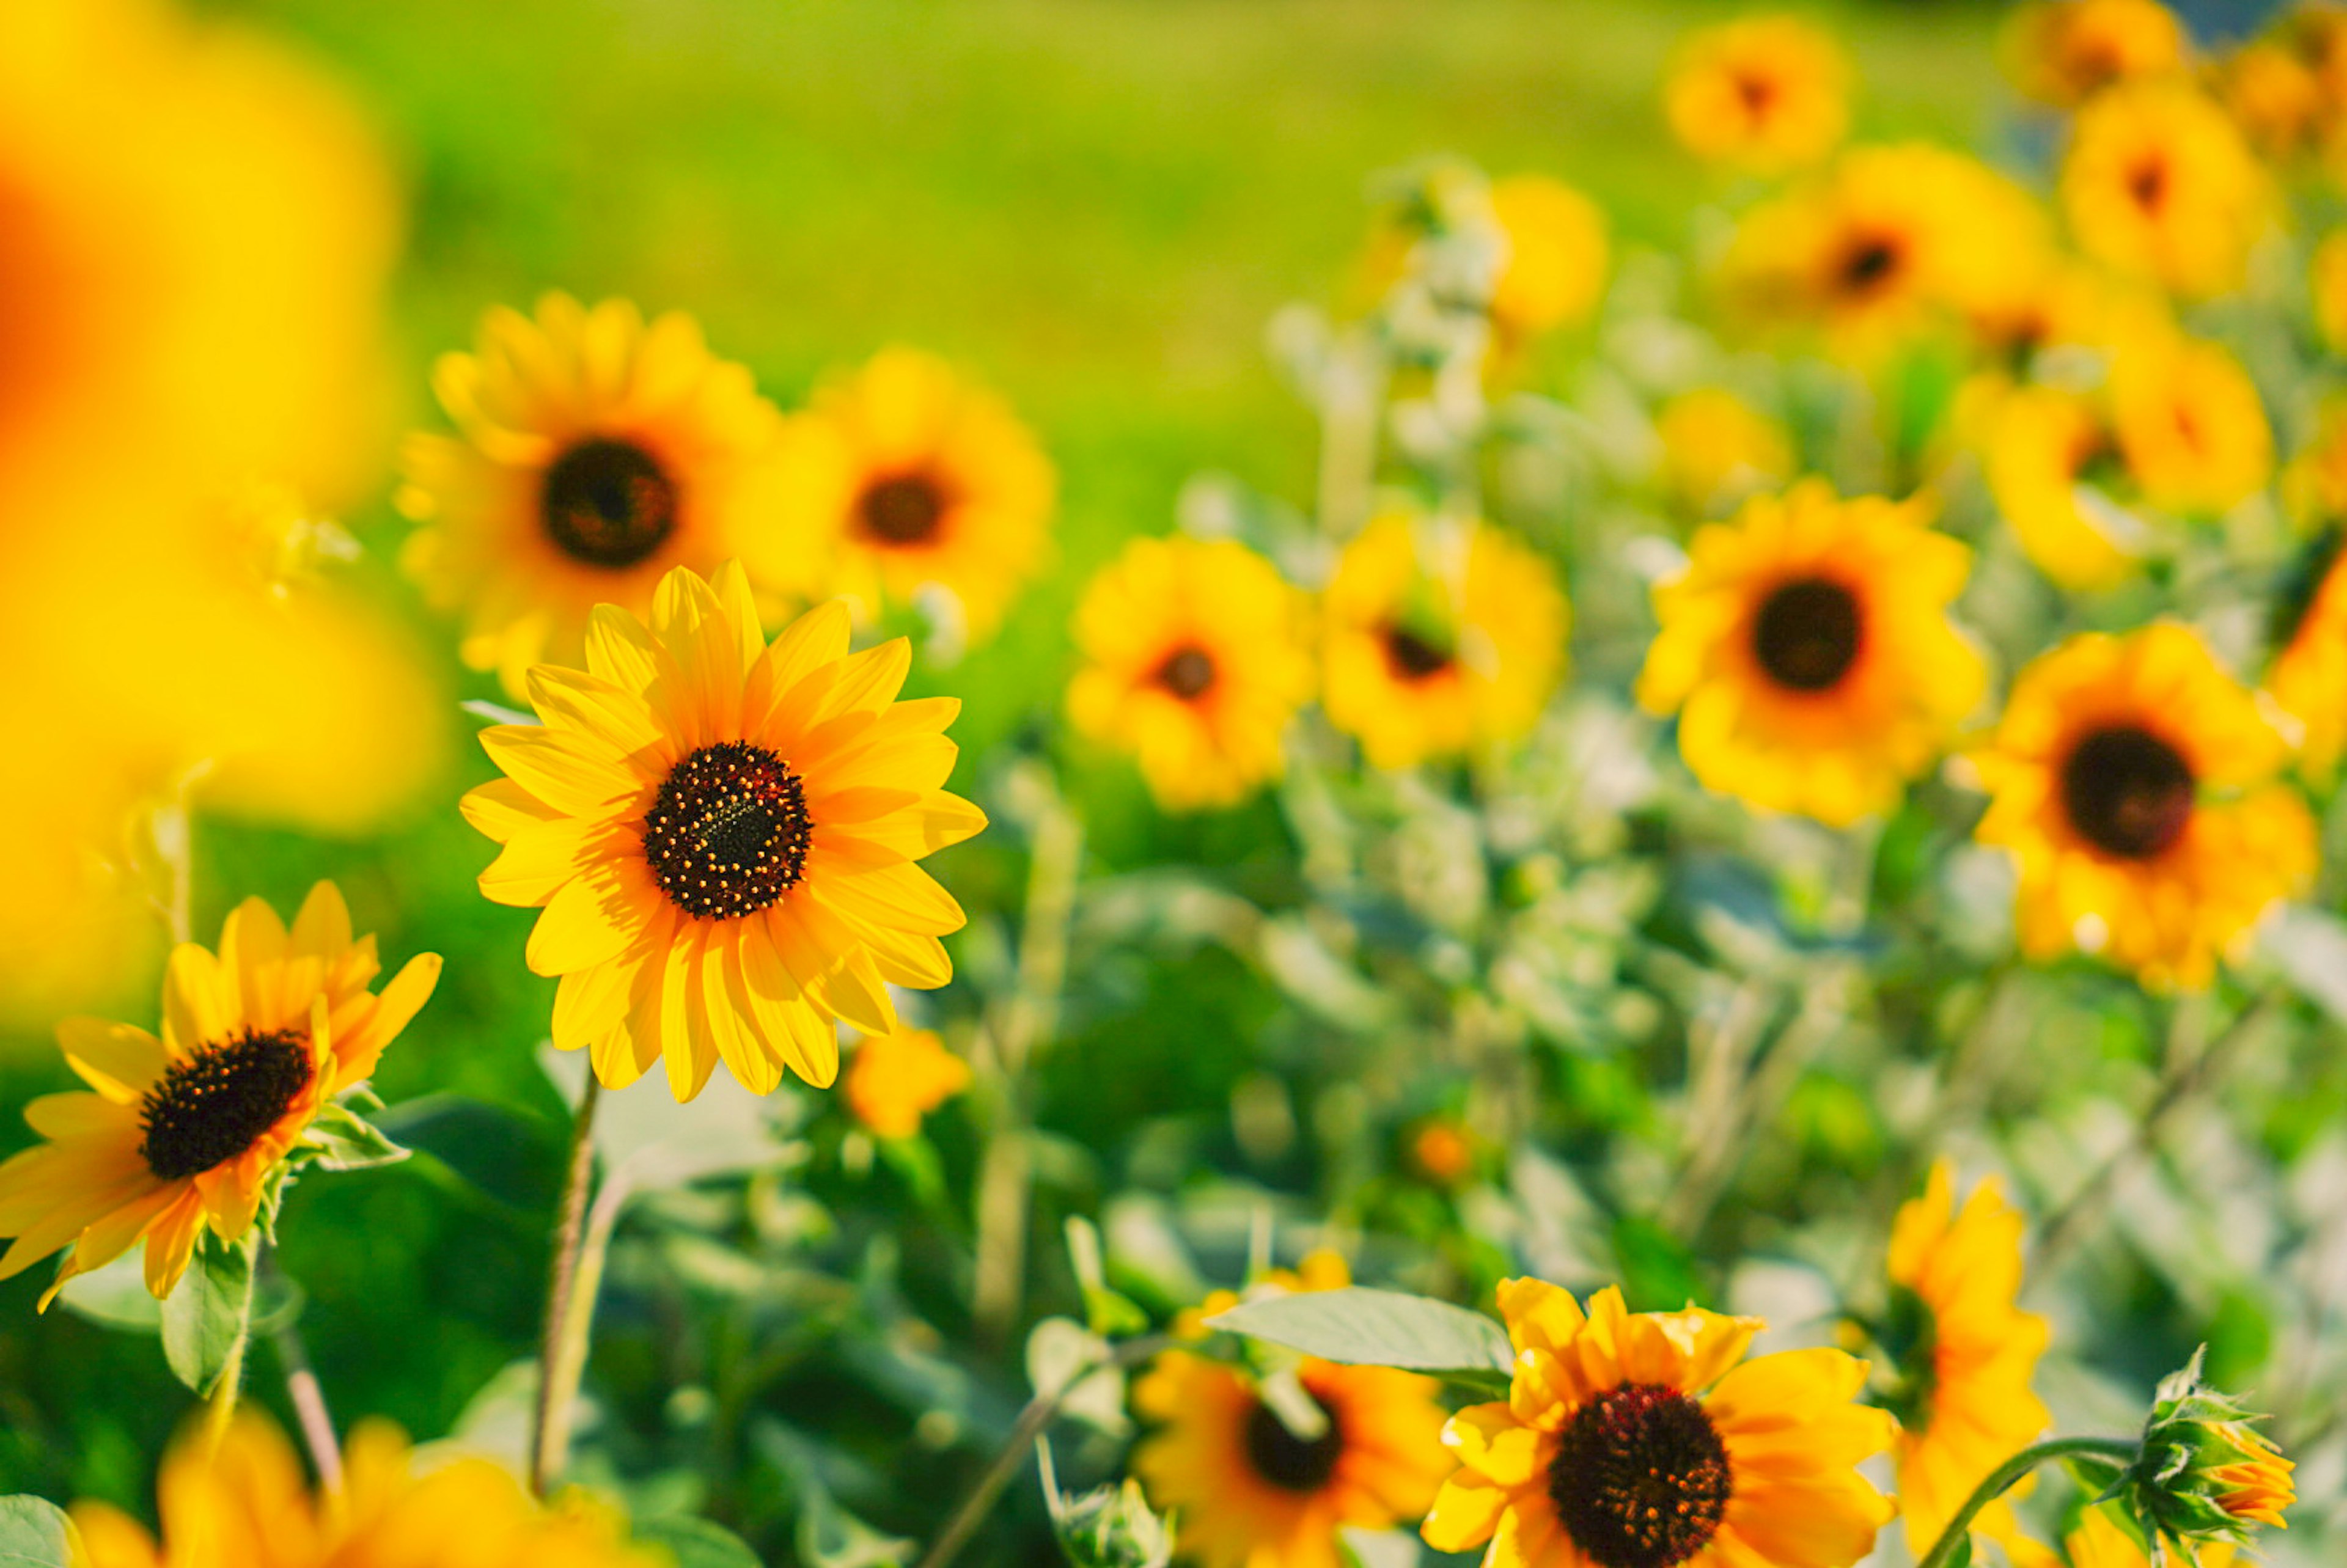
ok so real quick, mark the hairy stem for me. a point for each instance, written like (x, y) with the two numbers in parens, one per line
(558, 1383)
(308, 1397)
(2003, 1479)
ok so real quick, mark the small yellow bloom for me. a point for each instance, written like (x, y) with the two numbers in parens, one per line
(2134, 785)
(2047, 448)
(1554, 270)
(2189, 424)
(1193, 663)
(897, 1079)
(1764, 93)
(1439, 637)
(596, 453)
(189, 1127)
(2158, 181)
(722, 835)
(1443, 1151)
(1718, 450)
(903, 477)
(2309, 674)
(2063, 52)
(1646, 1440)
(2275, 96)
(1808, 653)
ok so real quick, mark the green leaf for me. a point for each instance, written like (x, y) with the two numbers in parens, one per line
(209, 1316)
(697, 1543)
(510, 1157)
(347, 1142)
(1961, 1557)
(35, 1533)
(1360, 1326)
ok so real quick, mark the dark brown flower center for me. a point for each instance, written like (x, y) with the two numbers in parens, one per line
(1188, 672)
(607, 504)
(213, 1105)
(2127, 791)
(1808, 633)
(2147, 183)
(1868, 264)
(904, 510)
(1287, 1462)
(1758, 92)
(1413, 657)
(1641, 1479)
(727, 833)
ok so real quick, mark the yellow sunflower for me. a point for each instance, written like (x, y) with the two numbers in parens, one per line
(1718, 449)
(2101, 1541)
(2158, 181)
(190, 1128)
(722, 834)
(1249, 1492)
(2134, 783)
(2189, 424)
(1807, 653)
(906, 477)
(2309, 674)
(2328, 280)
(1965, 1404)
(1557, 253)
(1439, 637)
(1764, 93)
(245, 1503)
(897, 1079)
(2047, 449)
(2063, 52)
(1638, 1440)
(1193, 662)
(2275, 98)
(596, 452)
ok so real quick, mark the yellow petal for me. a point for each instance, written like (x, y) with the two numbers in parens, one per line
(591, 920)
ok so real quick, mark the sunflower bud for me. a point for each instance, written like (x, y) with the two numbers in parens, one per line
(2204, 1473)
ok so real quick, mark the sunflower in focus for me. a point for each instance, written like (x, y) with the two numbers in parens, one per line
(1439, 637)
(2158, 182)
(906, 477)
(2101, 1541)
(2063, 52)
(1646, 1440)
(2051, 461)
(1808, 653)
(1765, 94)
(595, 453)
(1965, 1356)
(1718, 450)
(1249, 1491)
(246, 1504)
(896, 1078)
(1556, 256)
(2134, 783)
(1193, 662)
(722, 834)
(193, 1126)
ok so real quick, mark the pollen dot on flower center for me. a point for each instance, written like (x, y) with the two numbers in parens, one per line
(1188, 672)
(608, 503)
(1808, 633)
(214, 1104)
(1641, 1477)
(2127, 791)
(1287, 1462)
(728, 831)
(903, 510)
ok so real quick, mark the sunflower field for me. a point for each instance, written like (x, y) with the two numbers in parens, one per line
(1313, 783)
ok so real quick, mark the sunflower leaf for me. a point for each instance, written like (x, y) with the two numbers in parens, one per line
(697, 1543)
(206, 1320)
(347, 1142)
(1362, 1327)
(35, 1533)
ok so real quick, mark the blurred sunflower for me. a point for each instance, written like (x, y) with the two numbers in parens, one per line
(1248, 1491)
(895, 1080)
(1808, 653)
(722, 834)
(1762, 93)
(2158, 181)
(2063, 52)
(191, 1128)
(1438, 638)
(1637, 1440)
(596, 452)
(2309, 674)
(2327, 279)
(2134, 783)
(1964, 1356)
(905, 477)
(1557, 253)
(246, 1504)
(2275, 98)
(2188, 423)
(1718, 450)
(1193, 663)
(2050, 454)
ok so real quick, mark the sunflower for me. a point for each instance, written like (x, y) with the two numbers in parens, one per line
(897, 1079)
(722, 834)
(246, 1504)
(2101, 1541)
(2063, 52)
(1718, 449)
(2327, 279)
(596, 452)
(1556, 252)
(194, 1127)
(1248, 1491)
(2189, 424)
(1808, 653)
(906, 477)
(2308, 677)
(1964, 1403)
(1193, 662)
(1436, 638)
(2133, 782)
(2275, 98)
(2050, 454)
(2158, 182)
(1637, 1440)
(1765, 93)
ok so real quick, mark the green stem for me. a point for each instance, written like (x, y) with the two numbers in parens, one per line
(558, 1375)
(2002, 1479)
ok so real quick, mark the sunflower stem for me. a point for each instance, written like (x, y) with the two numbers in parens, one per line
(2006, 1475)
(309, 1398)
(224, 1393)
(557, 1372)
